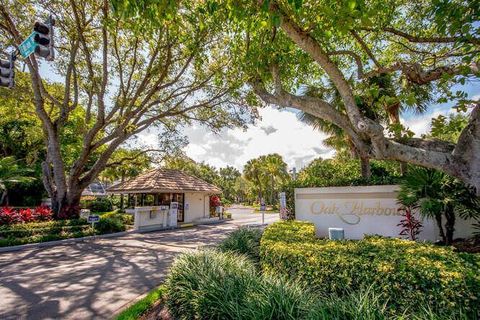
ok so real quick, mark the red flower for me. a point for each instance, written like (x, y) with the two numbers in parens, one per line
(42, 213)
(9, 216)
(26, 215)
(215, 201)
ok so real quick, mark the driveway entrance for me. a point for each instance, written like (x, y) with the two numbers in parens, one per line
(96, 279)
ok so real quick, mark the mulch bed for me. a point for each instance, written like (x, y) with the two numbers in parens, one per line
(157, 312)
(471, 245)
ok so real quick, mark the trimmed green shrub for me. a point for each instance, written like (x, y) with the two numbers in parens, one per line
(243, 241)
(406, 275)
(100, 205)
(22, 233)
(124, 217)
(43, 231)
(43, 225)
(110, 225)
(218, 285)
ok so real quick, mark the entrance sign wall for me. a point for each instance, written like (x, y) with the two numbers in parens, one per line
(361, 211)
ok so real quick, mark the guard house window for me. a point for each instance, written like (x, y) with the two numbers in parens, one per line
(148, 200)
(164, 199)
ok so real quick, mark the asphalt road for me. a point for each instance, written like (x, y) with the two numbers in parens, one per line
(96, 279)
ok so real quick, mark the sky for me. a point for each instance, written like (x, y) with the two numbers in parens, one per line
(280, 131)
(276, 131)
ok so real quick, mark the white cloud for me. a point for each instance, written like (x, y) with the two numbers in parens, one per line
(276, 132)
(421, 124)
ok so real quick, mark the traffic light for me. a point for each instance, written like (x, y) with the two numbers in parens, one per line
(44, 39)
(7, 72)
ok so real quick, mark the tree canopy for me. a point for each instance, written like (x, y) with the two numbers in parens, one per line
(120, 77)
(425, 48)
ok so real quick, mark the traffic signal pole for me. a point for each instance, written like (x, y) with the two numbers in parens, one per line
(40, 42)
(7, 71)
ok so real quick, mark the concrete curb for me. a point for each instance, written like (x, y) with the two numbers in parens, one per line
(63, 241)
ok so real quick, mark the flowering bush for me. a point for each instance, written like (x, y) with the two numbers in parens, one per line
(43, 213)
(9, 215)
(408, 275)
(26, 215)
(215, 201)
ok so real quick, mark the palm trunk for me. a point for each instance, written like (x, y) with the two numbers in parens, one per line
(449, 224)
(403, 168)
(3, 197)
(272, 196)
(121, 195)
(438, 218)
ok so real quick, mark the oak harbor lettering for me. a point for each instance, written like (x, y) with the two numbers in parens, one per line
(351, 211)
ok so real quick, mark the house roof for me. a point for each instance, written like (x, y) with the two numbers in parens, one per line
(163, 180)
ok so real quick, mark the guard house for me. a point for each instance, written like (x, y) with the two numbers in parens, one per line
(160, 187)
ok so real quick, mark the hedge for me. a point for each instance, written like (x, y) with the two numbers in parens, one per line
(23, 233)
(408, 276)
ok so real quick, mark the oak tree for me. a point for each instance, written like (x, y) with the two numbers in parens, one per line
(124, 76)
(426, 48)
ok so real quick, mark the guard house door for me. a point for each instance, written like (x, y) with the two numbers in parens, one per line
(179, 197)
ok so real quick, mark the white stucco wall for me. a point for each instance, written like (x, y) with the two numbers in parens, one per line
(360, 211)
(151, 218)
(195, 206)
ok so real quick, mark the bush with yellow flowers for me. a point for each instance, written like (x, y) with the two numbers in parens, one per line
(407, 275)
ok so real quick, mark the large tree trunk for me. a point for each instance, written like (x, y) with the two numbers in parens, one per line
(365, 167)
(67, 207)
(394, 118)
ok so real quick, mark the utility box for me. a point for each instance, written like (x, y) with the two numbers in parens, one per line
(336, 233)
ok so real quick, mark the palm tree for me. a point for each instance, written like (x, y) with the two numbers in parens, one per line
(387, 97)
(439, 196)
(337, 139)
(12, 172)
(252, 172)
(276, 170)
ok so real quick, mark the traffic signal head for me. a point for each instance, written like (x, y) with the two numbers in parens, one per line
(7, 72)
(44, 39)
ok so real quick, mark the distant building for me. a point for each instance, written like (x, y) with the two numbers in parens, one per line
(95, 189)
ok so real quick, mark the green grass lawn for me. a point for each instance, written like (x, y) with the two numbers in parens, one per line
(143, 305)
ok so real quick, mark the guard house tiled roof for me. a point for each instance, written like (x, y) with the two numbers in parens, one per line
(163, 180)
